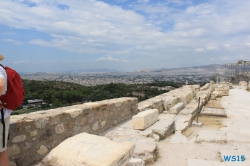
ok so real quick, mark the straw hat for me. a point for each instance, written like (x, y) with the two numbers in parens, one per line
(1, 57)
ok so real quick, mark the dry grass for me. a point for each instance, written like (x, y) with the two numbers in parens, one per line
(214, 103)
(208, 122)
(211, 121)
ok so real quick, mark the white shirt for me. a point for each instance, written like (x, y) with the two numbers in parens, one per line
(3, 75)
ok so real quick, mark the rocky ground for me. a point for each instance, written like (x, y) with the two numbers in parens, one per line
(206, 145)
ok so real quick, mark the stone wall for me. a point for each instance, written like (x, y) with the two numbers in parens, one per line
(33, 135)
(167, 100)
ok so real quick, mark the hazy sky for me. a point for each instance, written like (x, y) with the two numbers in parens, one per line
(127, 35)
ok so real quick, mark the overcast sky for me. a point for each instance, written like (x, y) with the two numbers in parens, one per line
(126, 35)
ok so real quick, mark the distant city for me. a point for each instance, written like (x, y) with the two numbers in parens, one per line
(190, 75)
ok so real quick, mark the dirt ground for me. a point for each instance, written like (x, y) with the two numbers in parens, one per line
(215, 103)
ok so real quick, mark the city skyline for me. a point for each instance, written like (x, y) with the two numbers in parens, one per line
(124, 35)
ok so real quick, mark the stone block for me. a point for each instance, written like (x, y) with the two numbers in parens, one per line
(243, 83)
(74, 112)
(176, 108)
(190, 108)
(163, 128)
(145, 149)
(145, 119)
(136, 162)
(90, 150)
(182, 122)
(170, 101)
(205, 87)
(187, 97)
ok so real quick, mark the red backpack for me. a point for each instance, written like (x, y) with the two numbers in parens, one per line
(15, 92)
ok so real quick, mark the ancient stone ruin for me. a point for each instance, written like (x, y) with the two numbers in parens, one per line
(115, 132)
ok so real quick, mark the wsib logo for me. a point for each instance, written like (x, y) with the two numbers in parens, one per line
(235, 158)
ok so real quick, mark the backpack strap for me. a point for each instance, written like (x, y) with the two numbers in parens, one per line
(2, 120)
(2, 66)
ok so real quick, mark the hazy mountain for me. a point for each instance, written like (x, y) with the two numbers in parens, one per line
(104, 70)
(212, 67)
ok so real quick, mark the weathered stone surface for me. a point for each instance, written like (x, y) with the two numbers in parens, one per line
(145, 149)
(238, 137)
(74, 112)
(163, 128)
(144, 119)
(205, 87)
(176, 108)
(59, 129)
(83, 122)
(43, 150)
(54, 120)
(136, 162)
(90, 150)
(27, 145)
(118, 104)
(187, 97)
(243, 83)
(178, 138)
(196, 162)
(170, 101)
(33, 133)
(49, 128)
(28, 128)
(12, 163)
(190, 108)
(145, 105)
(182, 122)
(19, 138)
(170, 117)
(156, 137)
(146, 133)
(196, 87)
(103, 124)
(13, 150)
(41, 122)
(211, 136)
(95, 126)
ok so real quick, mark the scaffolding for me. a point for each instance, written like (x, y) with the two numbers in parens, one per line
(236, 72)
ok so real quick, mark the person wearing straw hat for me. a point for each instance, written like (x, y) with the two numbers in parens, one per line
(4, 158)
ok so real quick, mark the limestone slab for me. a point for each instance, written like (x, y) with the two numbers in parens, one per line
(145, 149)
(163, 128)
(182, 122)
(90, 150)
(243, 83)
(211, 136)
(170, 101)
(145, 119)
(176, 108)
(136, 162)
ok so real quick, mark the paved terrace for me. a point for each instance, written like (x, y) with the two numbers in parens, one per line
(218, 137)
